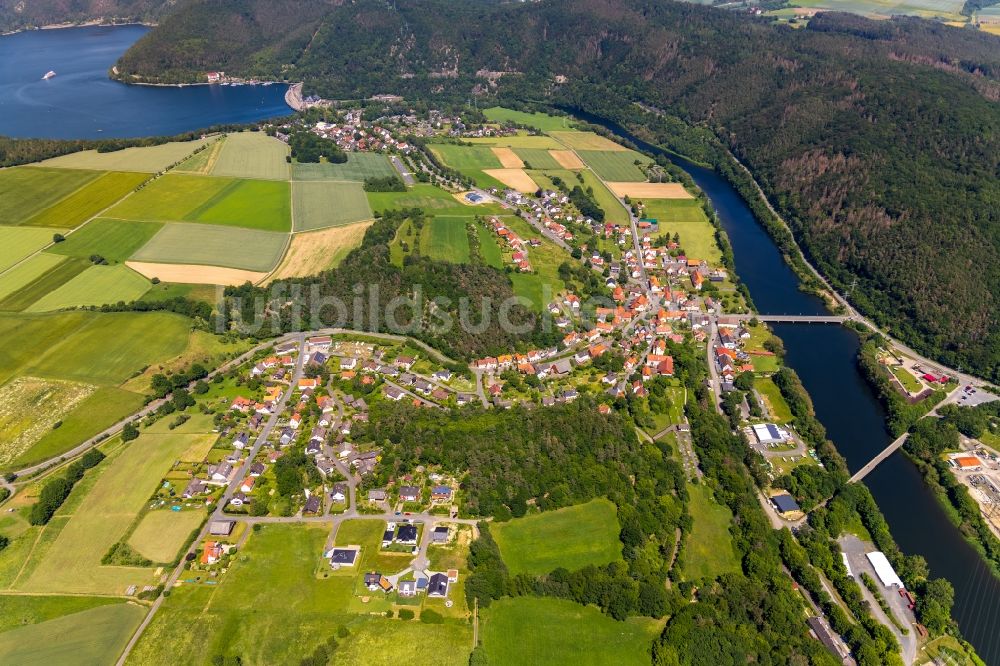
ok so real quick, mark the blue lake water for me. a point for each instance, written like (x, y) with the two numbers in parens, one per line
(81, 102)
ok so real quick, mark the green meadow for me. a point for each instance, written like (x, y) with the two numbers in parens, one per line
(318, 204)
(687, 219)
(232, 247)
(98, 285)
(25, 191)
(541, 121)
(466, 158)
(16, 243)
(446, 239)
(433, 200)
(709, 551)
(88, 201)
(358, 167)
(115, 240)
(572, 538)
(24, 295)
(26, 272)
(488, 247)
(252, 155)
(537, 158)
(615, 165)
(148, 159)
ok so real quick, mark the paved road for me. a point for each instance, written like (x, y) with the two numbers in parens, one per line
(404, 173)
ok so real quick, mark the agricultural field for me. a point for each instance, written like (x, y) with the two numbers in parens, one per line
(124, 482)
(433, 200)
(251, 155)
(22, 610)
(519, 140)
(26, 272)
(614, 210)
(541, 121)
(572, 538)
(202, 161)
(195, 274)
(508, 158)
(30, 407)
(358, 167)
(650, 190)
(615, 165)
(586, 141)
(515, 179)
(943, 9)
(547, 631)
(686, 218)
(88, 201)
(380, 642)
(709, 550)
(97, 285)
(567, 159)
(316, 251)
(115, 240)
(93, 636)
(255, 204)
(16, 243)
(318, 205)
(25, 191)
(466, 158)
(160, 534)
(446, 239)
(228, 247)
(488, 247)
(537, 158)
(26, 294)
(150, 159)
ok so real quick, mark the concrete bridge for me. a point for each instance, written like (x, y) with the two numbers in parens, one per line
(792, 319)
(886, 452)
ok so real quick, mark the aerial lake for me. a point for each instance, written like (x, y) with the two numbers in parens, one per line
(81, 102)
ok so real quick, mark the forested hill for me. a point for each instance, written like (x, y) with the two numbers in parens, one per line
(19, 14)
(879, 141)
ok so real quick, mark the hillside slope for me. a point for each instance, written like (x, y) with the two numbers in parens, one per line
(19, 14)
(878, 141)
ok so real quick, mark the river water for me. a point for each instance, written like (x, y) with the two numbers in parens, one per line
(81, 102)
(824, 356)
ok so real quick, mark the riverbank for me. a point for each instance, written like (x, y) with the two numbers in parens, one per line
(293, 97)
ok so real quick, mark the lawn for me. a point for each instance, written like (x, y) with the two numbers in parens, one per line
(318, 205)
(115, 240)
(160, 534)
(48, 281)
(97, 285)
(27, 272)
(615, 165)
(544, 631)
(89, 200)
(906, 378)
(488, 247)
(124, 484)
(709, 550)
(151, 159)
(16, 243)
(572, 538)
(466, 158)
(541, 121)
(358, 167)
(433, 200)
(181, 243)
(687, 219)
(25, 191)
(252, 155)
(257, 204)
(537, 158)
(93, 636)
(446, 239)
(30, 407)
(776, 404)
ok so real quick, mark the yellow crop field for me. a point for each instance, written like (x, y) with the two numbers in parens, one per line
(650, 190)
(508, 158)
(513, 178)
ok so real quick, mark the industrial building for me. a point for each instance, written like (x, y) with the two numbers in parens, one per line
(884, 570)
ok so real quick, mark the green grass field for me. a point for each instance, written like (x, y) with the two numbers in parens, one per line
(25, 191)
(537, 120)
(520, 140)
(614, 210)
(466, 158)
(318, 205)
(152, 159)
(433, 200)
(572, 537)
(358, 167)
(488, 247)
(780, 411)
(88, 201)
(541, 286)
(180, 243)
(39, 287)
(16, 243)
(255, 204)
(615, 165)
(27, 272)
(446, 239)
(543, 631)
(947, 9)
(709, 550)
(252, 155)
(160, 534)
(98, 285)
(202, 161)
(115, 240)
(368, 535)
(686, 218)
(22, 610)
(123, 486)
(93, 636)
(537, 158)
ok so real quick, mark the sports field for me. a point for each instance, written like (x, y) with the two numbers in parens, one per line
(115, 240)
(25, 191)
(26, 294)
(252, 155)
(709, 550)
(229, 247)
(89, 200)
(650, 190)
(537, 158)
(255, 204)
(572, 538)
(446, 239)
(93, 636)
(98, 285)
(316, 251)
(556, 632)
(26, 272)
(358, 167)
(615, 165)
(318, 205)
(123, 486)
(152, 159)
(508, 158)
(16, 243)
(514, 178)
(466, 158)
(541, 121)
(586, 141)
(160, 534)
(195, 274)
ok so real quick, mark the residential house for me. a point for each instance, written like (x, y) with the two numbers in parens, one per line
(407, 535)
(313, 505)
(440, 534)
(339, 492)
(377, 495)
(440, 493)
(241, 441)
(409, 493)
(211, 553)
(437, 586)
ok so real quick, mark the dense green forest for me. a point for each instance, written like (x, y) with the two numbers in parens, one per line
(18, 14)
(878, 141)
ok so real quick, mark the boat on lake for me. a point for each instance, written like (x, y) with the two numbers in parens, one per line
(48, 75)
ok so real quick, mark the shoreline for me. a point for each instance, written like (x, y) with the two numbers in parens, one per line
(84, 24)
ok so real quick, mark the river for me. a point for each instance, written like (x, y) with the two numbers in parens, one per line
(824, 356)
(81, 102)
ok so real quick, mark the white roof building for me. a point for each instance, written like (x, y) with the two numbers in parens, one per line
(847, 565)
(768, 433)
(884, 570)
